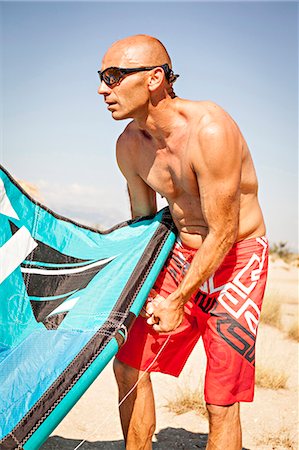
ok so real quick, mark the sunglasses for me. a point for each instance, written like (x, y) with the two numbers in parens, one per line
(113, 75)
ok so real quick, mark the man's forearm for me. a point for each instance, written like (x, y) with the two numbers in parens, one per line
(205, 262)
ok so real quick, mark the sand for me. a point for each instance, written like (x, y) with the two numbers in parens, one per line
(270, 422)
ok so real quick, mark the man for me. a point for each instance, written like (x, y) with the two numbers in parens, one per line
(194, 155)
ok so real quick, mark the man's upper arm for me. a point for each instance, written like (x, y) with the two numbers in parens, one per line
(218, 169)
(142, 197)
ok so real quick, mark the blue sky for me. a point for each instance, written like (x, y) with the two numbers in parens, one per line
(57, 133)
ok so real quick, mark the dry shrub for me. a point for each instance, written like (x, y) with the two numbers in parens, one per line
(278, 440)
(271, 311)
(293, 331)
(270, 378)
(282, 251)
(188, 399)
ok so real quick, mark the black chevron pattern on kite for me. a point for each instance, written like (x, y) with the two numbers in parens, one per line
(66, 275)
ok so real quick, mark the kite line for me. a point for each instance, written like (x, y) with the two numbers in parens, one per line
(127, 395)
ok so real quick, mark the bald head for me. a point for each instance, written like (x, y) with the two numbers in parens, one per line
(137, 51)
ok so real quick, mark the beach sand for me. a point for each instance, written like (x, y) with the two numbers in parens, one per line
(270, 422)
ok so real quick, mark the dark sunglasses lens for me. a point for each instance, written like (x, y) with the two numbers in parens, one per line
(111, 76)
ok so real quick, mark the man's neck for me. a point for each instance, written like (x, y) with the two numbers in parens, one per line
(161, 120)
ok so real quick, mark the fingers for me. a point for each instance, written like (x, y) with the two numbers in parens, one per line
(152, 294)
(157, 300)
(155, 314)
(149, 309)
(151, 304)
(152, 301)
(152, 320)
(143, 312)
(157, 328)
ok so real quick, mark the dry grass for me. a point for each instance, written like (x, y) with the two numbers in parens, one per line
(293, 331)
(281, 250)
(281, 439)
(188, 399)
(272, 315)
(271, 311)
(270, 378)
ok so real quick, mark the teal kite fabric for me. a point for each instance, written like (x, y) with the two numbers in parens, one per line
(68, 297)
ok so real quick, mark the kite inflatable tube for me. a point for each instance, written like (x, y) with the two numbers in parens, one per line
(69, 295)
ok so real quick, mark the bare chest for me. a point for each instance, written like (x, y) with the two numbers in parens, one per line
(168, 171)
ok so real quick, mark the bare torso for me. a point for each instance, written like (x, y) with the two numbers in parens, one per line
(169, 171)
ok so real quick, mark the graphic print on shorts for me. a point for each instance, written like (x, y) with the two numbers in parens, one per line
(233, 295)
(238, 304)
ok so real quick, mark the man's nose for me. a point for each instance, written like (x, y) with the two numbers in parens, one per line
(104, 89)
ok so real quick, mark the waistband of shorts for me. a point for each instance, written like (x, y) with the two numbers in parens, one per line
(246, 244)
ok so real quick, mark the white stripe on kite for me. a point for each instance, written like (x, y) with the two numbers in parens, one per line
(5, 205)
(14, 251)
(65, 306)
(66, 271)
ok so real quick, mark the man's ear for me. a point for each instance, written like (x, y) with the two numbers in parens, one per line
(156, 78)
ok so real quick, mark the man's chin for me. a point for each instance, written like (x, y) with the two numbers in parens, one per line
(117, 115)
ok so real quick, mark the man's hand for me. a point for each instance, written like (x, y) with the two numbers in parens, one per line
(147, 309)
(164, 314)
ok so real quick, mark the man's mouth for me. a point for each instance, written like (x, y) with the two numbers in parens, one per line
(110, 104)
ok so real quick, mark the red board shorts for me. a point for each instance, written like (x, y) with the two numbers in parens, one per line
(225, 311)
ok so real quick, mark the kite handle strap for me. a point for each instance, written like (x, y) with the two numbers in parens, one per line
(123, 331)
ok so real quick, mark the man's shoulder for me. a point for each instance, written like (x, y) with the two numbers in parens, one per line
(212, 127)
(130, 135)
(130, 141)
(131, 130)
(215, 121)
(205, 113)
(200, 105)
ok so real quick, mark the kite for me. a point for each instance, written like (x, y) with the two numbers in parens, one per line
(68, 297)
